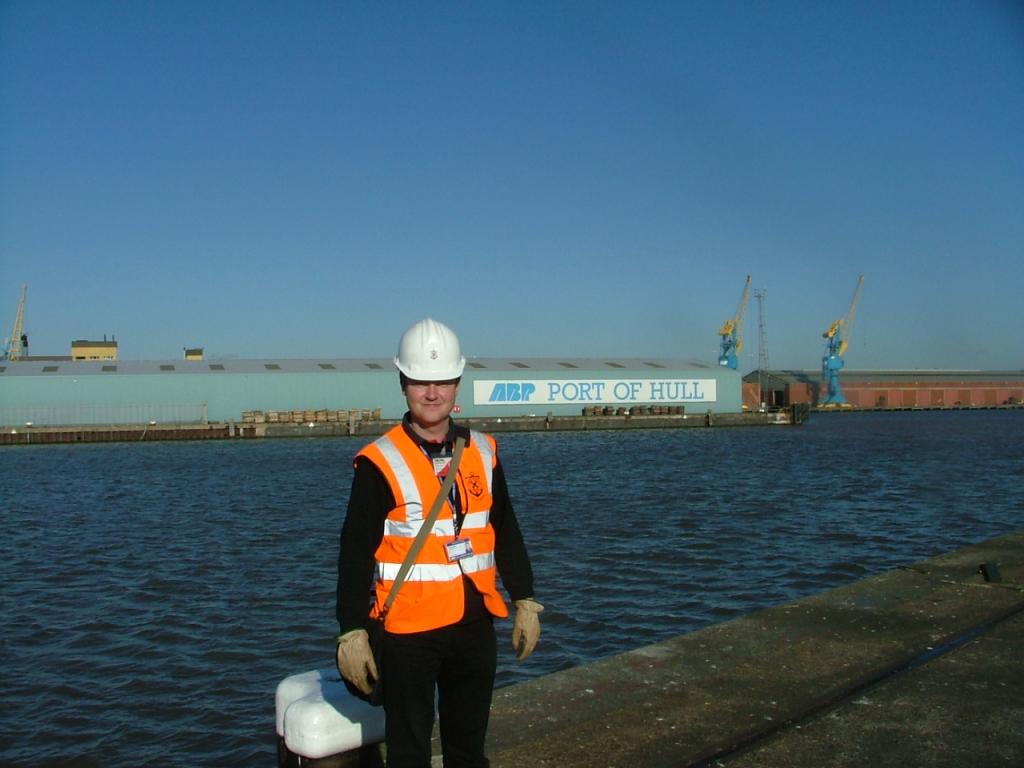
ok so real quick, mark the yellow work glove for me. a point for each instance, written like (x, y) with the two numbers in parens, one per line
(355, 660)
(526, 628)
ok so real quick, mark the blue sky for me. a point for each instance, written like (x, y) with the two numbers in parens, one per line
(549, 178)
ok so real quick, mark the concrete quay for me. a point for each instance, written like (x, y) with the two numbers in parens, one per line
(37, 435)
(505, 424)
(920, 666)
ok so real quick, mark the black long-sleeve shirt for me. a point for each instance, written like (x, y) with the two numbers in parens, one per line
(369, 503)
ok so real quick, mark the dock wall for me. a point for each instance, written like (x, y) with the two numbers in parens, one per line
(919, 666)
(922, 665)
(357, 424)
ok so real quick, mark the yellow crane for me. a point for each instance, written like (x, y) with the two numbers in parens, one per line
(732, 332)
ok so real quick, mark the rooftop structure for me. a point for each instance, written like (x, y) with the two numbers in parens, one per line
(94, 350)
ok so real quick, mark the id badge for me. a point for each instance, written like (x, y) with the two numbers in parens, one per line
(458, 549)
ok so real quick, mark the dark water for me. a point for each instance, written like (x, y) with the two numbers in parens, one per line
(153, 595)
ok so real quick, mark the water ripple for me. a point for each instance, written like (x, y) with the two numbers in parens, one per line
(155, 594)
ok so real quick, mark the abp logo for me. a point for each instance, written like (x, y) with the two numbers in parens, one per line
(512, 392)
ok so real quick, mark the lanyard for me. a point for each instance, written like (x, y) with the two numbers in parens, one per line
(442, 464)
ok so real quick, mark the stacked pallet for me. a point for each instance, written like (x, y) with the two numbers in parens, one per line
(636, 410)
(320, 416)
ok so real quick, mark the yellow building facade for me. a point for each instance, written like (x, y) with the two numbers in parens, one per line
(93, 350)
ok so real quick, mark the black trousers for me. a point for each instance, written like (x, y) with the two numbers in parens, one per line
(459, 662)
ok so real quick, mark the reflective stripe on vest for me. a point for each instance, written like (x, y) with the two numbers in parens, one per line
(409, 529)
(479, 439)
(406, 482)
(438, 572)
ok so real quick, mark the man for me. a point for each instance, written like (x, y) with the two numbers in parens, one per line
(439, 631)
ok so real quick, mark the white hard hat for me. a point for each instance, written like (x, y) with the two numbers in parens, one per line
(429, 351)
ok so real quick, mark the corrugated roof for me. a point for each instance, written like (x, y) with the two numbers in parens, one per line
(521, 365)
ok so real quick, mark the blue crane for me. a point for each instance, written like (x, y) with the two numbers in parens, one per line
(732, 332)
(837, 338)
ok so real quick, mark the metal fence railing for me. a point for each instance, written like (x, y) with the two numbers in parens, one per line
(73, 414)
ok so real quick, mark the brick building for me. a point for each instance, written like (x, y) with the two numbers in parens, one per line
(888, 389)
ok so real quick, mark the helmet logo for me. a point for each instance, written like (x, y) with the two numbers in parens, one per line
(433, 354)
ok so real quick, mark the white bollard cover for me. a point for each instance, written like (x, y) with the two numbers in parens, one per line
(318, 717)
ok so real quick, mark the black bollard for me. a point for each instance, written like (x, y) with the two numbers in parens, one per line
(989, 571)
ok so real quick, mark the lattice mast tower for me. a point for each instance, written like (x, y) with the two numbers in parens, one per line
(14, 349)
(762, 343)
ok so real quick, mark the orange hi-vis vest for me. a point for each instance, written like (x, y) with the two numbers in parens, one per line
(432, 594)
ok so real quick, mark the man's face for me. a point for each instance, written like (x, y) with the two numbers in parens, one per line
(430, 402)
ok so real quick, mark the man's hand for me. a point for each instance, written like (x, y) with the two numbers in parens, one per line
(355, 660)
(526, 628)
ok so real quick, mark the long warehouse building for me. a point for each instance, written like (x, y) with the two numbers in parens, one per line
(88, 392)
